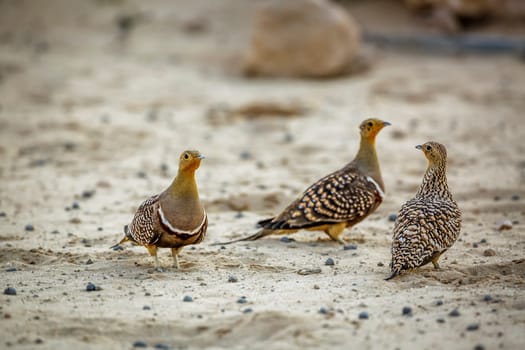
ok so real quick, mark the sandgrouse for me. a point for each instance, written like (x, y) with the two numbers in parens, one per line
(174, 218)
(338, 200)
(429, 223)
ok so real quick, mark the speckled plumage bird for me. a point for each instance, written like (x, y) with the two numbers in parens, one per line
(174, 218)
(428, 224)
(338, 200)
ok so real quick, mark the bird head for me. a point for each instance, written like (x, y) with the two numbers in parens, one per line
(371, 127)
(190, 160)
(435, 152)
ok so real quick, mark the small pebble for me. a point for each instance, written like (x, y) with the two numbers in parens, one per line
(479, 347)
(473, 327)
(29, 227)
(38, 341)
(242, 300)
(350, 247)
(11, 269)
(90, 287)
(489, 252)
(75, 206)
(363, 315)
(440, 320)
(392, 217)
(329, 262)
(10, 291)
(161, 346)
(232, 279)
(140, 344)
(89, 262)
(487, 297)
(454, 313)
(245, 155)
(187, 298)
(142, 175)
(146, 307)
(324, 310)
(380, 264)
(239, 215)
(100, 229)
(439, 302)
(286, 239)
(504, 225)
(515, 197)
(69, 146)
(483, 241)
(474, 245)
(2, 214)
(247, 310)
(407, 311)
(88, 193)
(117, 247)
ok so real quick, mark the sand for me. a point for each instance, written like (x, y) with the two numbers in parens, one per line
(95, 118)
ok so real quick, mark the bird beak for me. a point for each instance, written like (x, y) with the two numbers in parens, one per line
(419, 147)
(386, 124)
(201, 156)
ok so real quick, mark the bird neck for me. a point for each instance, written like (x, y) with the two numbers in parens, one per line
(184, 185)
(434, 182)
(366, 160)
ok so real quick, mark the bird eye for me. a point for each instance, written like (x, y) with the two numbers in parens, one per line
(429, 147)
(370, 124)
(186, 156)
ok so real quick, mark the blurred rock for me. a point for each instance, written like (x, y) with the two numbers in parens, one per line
(305, 38)
(447, 13)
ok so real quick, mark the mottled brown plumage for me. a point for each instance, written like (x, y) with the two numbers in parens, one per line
(174, 218)
(338, 200)
(429, 223)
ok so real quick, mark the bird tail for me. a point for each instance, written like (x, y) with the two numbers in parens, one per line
(262, 223)
(124, 239)
(255, 236)
(393, 274)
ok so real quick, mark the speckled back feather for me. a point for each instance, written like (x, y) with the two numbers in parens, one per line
(346, 195)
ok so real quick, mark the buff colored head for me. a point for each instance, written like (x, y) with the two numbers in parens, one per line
(190, 160)
(371, 127)
(435, 152)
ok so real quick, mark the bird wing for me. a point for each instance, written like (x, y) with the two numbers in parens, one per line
(424, 228)
(143, 226)
(343, 196)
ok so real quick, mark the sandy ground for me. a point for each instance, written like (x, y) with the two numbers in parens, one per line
(96, 116)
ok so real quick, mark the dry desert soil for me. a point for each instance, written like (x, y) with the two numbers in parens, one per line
(98, 99)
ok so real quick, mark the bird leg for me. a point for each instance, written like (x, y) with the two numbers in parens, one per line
(334, 231)
(435, 261)
(153, 252)
(175, 253)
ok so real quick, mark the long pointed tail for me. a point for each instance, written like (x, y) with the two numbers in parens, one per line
(126, 238)
(123, 240)
(259, 234)
(393, 274)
